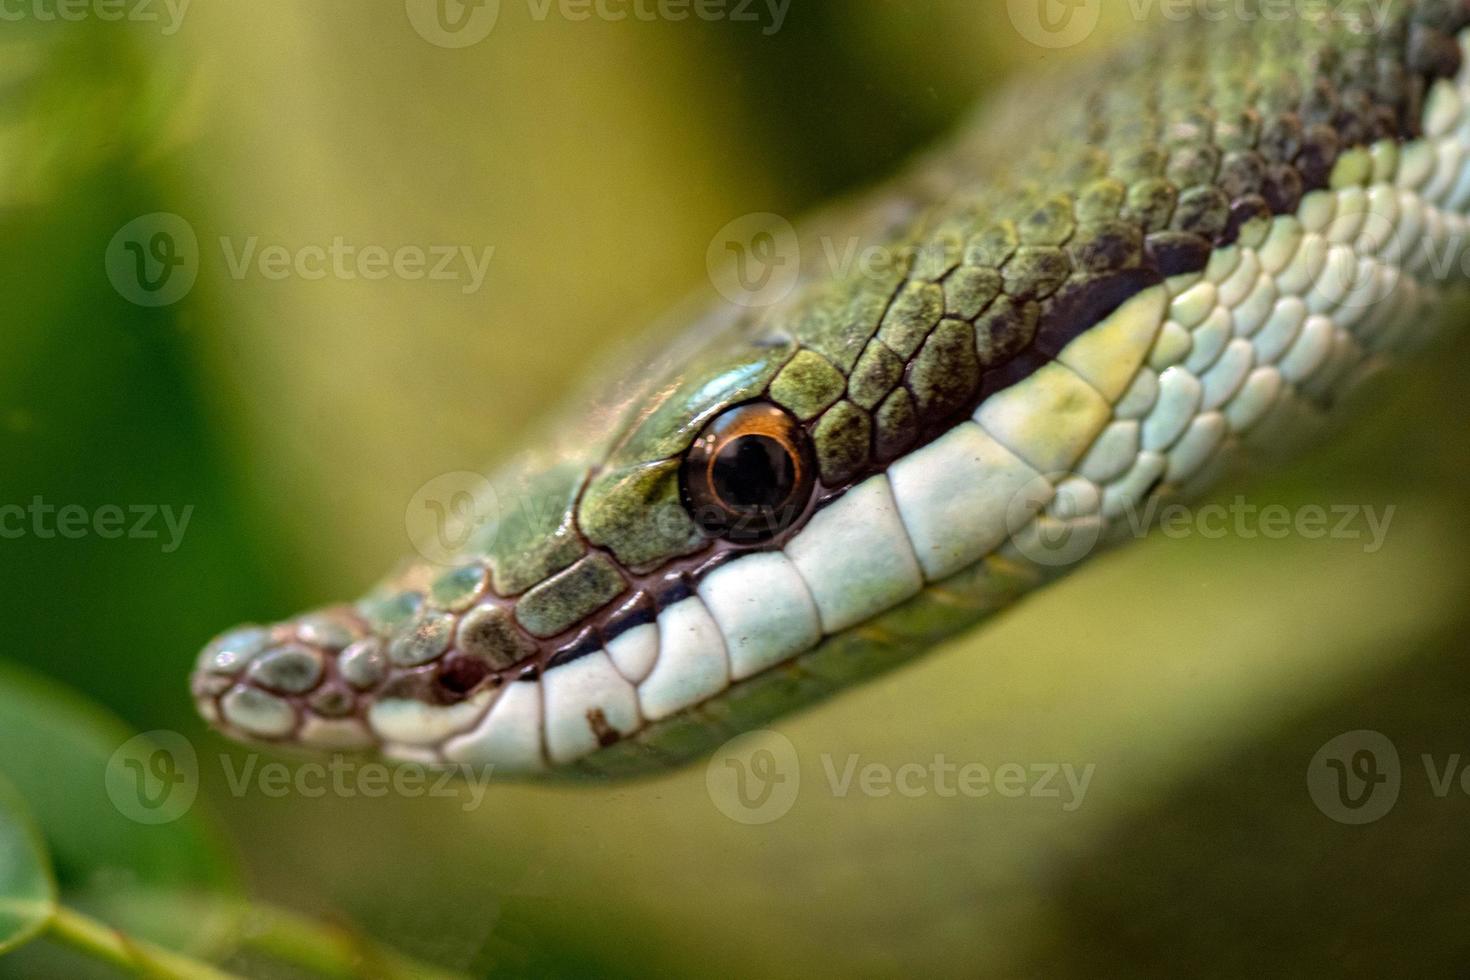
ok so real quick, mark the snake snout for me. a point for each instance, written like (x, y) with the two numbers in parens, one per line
(306, 680)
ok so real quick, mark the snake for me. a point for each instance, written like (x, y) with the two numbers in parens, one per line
(1116, 283)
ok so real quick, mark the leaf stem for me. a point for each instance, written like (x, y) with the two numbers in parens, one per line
(95, 939)
(328, 949)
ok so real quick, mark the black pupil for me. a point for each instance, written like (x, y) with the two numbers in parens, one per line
(753, 472)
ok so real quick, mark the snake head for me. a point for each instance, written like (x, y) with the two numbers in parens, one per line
(535, 631)
(1087, 306)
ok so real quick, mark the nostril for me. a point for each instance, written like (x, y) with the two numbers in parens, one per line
(460, 675)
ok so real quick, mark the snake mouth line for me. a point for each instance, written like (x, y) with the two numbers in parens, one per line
(281, 678)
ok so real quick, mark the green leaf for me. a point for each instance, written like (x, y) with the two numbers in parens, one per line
(27, 891)
(130, 843)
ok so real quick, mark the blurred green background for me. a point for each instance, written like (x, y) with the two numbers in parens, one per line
(598, 159)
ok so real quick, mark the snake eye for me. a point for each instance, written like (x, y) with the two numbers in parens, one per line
(749, 474)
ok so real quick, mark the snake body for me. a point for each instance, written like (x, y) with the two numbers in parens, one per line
(1107, 289)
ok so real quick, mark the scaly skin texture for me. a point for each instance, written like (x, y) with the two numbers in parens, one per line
(1071, 203)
